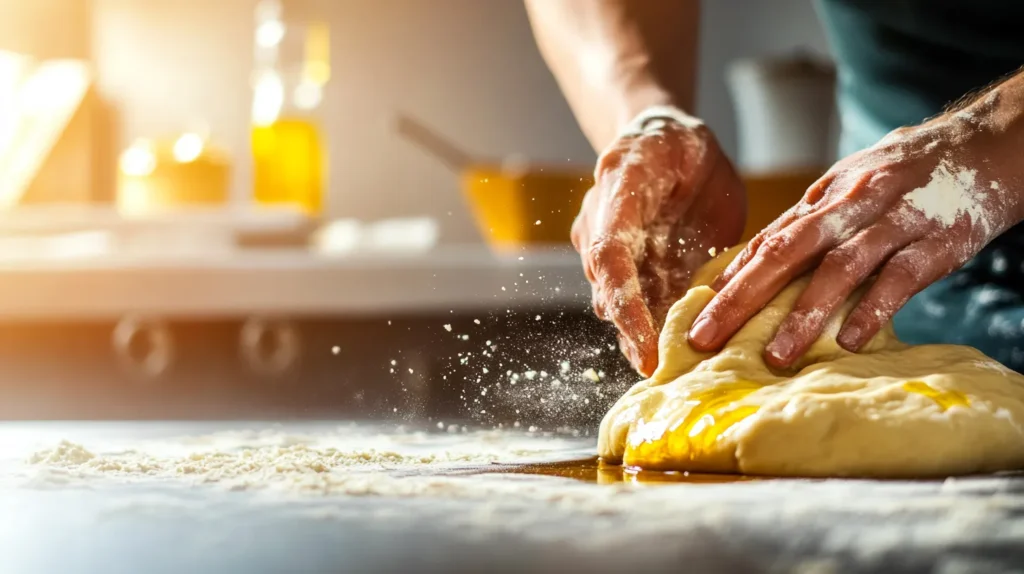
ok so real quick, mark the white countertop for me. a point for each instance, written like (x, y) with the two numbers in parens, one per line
(288, 282)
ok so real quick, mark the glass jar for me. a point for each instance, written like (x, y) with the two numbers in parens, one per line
(292, 68)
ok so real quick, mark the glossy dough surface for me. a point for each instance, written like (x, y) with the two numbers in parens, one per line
(892, 410)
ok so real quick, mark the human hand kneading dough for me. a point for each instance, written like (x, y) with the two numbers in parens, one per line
(913, 208)
(664, 195)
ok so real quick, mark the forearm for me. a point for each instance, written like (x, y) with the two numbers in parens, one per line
(1006, 103)
(997, 109)
(995, 117)
(615, 58)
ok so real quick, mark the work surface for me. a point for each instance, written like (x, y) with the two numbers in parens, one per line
(326, 497)
(291, 283)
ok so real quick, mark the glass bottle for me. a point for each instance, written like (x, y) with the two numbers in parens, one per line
(292, 68)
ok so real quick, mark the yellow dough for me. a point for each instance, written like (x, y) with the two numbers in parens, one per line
(891, 410)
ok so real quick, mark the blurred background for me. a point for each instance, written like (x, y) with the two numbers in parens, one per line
(304, 208)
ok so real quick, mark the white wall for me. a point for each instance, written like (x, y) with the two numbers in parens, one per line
(468, 67)
(733, 29)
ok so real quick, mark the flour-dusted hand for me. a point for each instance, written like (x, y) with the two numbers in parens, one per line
(912, 209)
(665, 196)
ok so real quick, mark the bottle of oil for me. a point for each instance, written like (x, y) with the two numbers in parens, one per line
(292, 68)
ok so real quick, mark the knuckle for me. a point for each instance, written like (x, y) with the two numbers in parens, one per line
(632, 174)
(841, 264)
(870, 311)
(804, 324)
(853, 185)
(574, 238)
(603, 251)
(608, 161)
(605, 248)
(906, 270)
(776, 249)
(754, 245)
(588, 269)
(759, 238)
(577, 232)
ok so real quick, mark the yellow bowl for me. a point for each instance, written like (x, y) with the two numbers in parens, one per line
(538, 206)
(525, 208)
(769, 195)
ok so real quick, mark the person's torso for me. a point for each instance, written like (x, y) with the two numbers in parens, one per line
(902, 61)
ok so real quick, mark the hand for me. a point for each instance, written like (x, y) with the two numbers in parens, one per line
(663, 197)
(913, 208)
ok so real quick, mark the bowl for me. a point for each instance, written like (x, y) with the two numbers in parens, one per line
(525, 208)
(771, 194)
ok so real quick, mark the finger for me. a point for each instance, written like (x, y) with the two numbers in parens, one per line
(801, 209)
(626, 348)
(614, 253)
(578, 234)
(624, 305)
(598, 303)
(908, 272)
(778, 261)
(654, 270)
(817, 190)
(678, 267)
(750, 249)
(588, 268)
(787, 254)
(841, 271)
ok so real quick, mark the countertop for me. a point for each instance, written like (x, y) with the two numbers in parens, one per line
(92, 263)
(448, 518)
(289, 282)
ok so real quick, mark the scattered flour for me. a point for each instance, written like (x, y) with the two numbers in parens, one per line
(303, 474)
(293, 462)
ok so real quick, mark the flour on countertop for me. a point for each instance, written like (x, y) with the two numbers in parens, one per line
(279, 460)
(871, 520)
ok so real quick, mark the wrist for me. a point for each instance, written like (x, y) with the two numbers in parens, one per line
(998, 111)
(643, 97)
(655, 117)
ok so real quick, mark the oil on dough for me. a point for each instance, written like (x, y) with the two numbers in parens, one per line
(892, 410)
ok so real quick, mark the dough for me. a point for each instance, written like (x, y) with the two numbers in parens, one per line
(891, 410)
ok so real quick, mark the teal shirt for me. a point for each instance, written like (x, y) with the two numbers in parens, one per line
(903, 61)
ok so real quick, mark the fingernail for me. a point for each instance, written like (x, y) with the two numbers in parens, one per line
(782, 347)
(849, 338)
(703, 332)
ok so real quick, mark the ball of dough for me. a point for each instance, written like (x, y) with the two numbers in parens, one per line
(891, 410)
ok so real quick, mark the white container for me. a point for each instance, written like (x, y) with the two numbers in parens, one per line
(784, 113)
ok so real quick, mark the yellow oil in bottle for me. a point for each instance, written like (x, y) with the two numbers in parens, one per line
(945, 399)
(711, 414)
(292, 69)
(288, 158)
